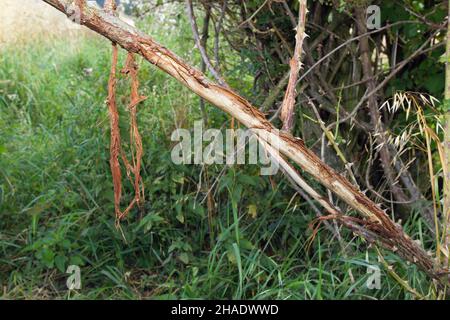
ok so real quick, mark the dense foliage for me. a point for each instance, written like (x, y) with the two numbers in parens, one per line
(218, 231)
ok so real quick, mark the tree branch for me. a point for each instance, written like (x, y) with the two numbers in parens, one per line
(287, 107)
(198, 43)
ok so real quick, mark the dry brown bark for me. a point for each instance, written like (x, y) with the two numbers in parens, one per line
(115, 144)
(376, 222)
(288, 105)
(133, 169)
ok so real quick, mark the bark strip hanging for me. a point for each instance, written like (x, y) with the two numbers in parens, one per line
(133, 169)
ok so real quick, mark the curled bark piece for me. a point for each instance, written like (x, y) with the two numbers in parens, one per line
(135, 139)
(115, 145)
(131, 69)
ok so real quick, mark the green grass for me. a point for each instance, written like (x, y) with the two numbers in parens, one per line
(56, 199)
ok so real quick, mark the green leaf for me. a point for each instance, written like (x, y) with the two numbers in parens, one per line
(246, 244)
(77, 261)
(442, 59)
(253, 210)
(184, 257)
(180, 217)
(66, 244)
(48, 257)
(149, 221)
(60, 262)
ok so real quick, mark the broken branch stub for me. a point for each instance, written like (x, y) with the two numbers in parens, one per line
(137, 42)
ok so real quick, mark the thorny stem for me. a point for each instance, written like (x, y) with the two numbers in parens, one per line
(287, 107)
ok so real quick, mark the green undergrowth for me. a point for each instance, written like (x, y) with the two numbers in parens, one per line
(56, 198)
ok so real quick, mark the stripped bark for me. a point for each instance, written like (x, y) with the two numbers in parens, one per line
(287, 107)
(115, 143)
(133, 169)
(304, 189)
(291, 173)
(293, 148)
(294, 177)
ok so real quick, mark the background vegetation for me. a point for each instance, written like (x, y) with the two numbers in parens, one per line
(215, 232)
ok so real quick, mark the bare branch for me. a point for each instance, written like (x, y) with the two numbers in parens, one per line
(287, 107)
(198, 43)
(219, 25)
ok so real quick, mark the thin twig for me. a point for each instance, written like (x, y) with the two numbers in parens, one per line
(198, 43)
